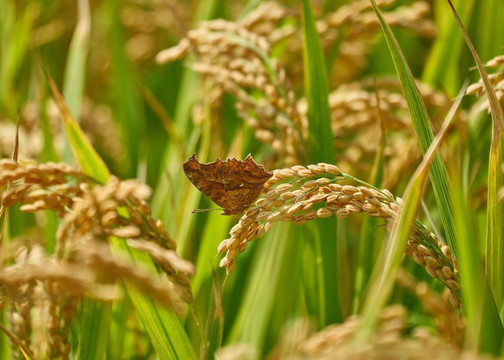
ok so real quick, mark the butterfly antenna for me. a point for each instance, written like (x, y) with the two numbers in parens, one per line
(205, 210)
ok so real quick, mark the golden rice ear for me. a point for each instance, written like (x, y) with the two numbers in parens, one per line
(308, 193)
(82, 264)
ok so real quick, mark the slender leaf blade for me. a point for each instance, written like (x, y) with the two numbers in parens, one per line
(217, 324)
(385, 271)
(90, 162)
(484, 329)
(370, 238)
(316, 88)
(75, 70)
(164, 328)
(420, 120)
(94, 329)
(442, 64)
(492, 331)
(322, 267)
(259, 314)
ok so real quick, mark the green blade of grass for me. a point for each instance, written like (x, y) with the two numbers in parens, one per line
(88, 159)
(442, 64)
(316, 89)
(484, 329)
(322, 268)
(421, 124)
(385, 271)
(190, 197)
(490, 338)
(215, 337)
(274, 267)
(495, 222)
(48, 152)
(164, 328)
(119, 328)
(489, 21)
(217, 323)
(495, 238)
(370, 237)
(75, 70)
(129, 111)
(16, 23)
(94, 329)
(215, 231)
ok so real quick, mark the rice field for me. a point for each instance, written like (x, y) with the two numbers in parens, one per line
(344, 200)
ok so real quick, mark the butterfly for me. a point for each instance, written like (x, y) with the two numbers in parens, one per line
(233, 184)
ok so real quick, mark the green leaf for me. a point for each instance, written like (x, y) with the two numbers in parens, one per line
(118, 329)
(94, 329)
(421, 124)
(274, 265)
(492, 331)
(495, 222)
(75, 70)
(442, 65)
(321, 269)
(215, 336)
(385, 271)
(16, 24)
(214, 232)
(316, 90)
(88, 159)
(371, 234)
(129, 111)
(164, 328)
(484, 328)
(487, 21)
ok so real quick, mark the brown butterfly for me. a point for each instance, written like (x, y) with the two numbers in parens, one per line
(233, 184)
